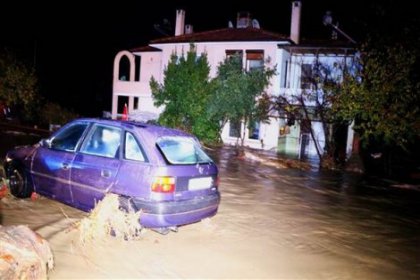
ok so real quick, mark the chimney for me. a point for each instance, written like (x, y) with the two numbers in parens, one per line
(295, 22)
(243, 20)
(188, 29)
(180, 22)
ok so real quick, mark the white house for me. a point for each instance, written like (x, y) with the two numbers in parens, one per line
(134, 68)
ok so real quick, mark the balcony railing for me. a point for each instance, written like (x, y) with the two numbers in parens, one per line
(132, 88)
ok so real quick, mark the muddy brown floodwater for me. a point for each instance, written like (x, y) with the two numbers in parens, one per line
(272, 223)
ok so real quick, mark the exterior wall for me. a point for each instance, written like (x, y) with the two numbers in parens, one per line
(285, 82)
(150, 65)
(268, 134)
(216, 53)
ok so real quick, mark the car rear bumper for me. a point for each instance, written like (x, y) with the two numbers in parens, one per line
(175, 213)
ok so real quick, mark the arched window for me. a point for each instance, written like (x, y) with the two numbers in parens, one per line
(124, 69)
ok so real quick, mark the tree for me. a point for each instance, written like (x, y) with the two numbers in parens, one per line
(239, 95)
(18, 86)
(53, 113)
(383, 96)
(185, 93)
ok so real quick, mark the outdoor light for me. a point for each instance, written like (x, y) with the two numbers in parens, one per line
(8, 159)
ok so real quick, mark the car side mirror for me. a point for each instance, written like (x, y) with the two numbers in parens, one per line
(46, 143)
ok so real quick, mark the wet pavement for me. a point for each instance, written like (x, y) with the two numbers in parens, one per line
(282, 223)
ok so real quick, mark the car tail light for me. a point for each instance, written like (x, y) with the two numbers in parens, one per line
(163, 185)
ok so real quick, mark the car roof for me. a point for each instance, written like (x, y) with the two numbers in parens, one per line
(148, 130)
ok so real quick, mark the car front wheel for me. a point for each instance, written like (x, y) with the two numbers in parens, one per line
(19, 183)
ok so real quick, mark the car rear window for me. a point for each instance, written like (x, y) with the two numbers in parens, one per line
(182, 150)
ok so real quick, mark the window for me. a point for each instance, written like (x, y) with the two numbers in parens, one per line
(132, 149)
(235, 129)
(137, 63)
(306, 76)
(182, 150)
(284, 130)
(255, 60)
(254, 131)
(124, 69)
(285, 74)
(67, 139)
(136, 103)
(102, 141)
(235, 54)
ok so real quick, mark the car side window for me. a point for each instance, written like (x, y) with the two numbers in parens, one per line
(102, 141)
(132, 148)
(67, 139)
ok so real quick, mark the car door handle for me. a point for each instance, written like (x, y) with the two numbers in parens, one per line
(65, 166)
(105, 173)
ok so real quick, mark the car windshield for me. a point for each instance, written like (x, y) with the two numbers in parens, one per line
(182, 150)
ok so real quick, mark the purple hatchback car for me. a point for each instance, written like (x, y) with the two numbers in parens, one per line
(164, 172)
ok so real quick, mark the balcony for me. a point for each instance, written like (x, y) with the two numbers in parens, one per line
(128, 88)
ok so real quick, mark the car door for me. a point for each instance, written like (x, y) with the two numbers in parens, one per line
(134, 175)
(52, 162)
(96, 165)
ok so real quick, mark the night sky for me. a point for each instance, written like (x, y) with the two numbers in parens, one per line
(72, 44)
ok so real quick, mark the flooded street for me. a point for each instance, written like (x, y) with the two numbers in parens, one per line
(363, 221)
(272, 223)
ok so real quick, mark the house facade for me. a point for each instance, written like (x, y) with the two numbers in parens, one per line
(134, 68)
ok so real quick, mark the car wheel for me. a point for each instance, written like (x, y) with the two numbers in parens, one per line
(19, 183)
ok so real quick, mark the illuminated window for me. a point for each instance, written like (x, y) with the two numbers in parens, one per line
(284, 130)
(254, 60)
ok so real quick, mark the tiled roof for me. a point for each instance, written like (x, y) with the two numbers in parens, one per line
(146, 49)
(225, 35)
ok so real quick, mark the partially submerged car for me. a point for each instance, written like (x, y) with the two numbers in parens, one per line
(162, 172)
